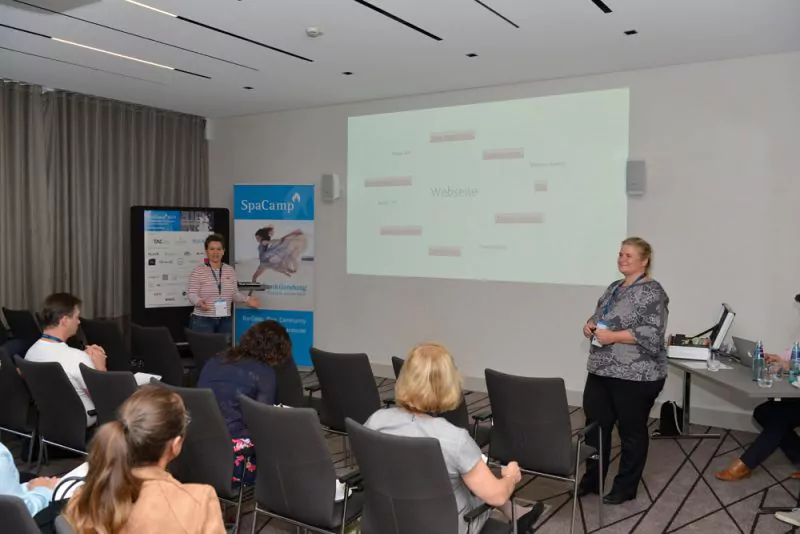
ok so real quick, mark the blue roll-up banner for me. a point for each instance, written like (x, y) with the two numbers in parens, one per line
(274, 245)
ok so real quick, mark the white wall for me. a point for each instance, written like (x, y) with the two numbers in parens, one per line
(722, 146)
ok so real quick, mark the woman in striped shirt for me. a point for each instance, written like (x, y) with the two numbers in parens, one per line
(212, 290)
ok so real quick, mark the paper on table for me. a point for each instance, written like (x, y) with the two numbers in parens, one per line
(702, 365)
(144, 378)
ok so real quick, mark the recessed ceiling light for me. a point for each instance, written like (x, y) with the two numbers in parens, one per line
(347, 73)
(173, 15)
(631, 32)
(249, 88)
(472, 55)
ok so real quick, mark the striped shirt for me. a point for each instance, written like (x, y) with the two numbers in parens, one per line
(203, 286)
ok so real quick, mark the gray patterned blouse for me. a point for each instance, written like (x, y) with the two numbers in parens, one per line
(643, 309)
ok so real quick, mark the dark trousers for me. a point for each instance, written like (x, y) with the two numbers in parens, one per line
(626, 403)
(778, 421)
(212, 325)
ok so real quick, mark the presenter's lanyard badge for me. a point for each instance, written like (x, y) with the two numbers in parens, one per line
(613, 296)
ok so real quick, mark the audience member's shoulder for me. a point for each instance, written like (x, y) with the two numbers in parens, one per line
(385, 417)
(200, 492)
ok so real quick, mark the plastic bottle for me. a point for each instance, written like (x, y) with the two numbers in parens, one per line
(758, 360)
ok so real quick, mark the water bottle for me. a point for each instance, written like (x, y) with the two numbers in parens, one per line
(758, 360)
(794, 363)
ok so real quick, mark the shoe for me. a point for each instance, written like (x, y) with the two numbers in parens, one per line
(736, 471)
(615, 498)
(526, 522)
(587, 488)
(795, 475)
(793, 517)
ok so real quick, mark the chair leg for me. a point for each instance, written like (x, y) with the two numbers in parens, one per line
(41, 456)
(575, 489)
(600, 483)
(239, 504)
(255, 519)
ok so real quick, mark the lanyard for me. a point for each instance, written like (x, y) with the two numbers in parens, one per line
(613, 295)
(217, 280)
(52, 338)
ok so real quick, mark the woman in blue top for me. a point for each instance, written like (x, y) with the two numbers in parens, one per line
(247, 369)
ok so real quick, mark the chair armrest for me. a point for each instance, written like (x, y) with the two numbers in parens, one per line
(353, 478)
(481, 416)
(585, 430)
(475, 513)
(312, 388)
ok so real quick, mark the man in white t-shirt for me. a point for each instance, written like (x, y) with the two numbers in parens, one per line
(60, 320)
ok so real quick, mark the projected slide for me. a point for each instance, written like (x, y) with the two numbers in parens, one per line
(524, 190)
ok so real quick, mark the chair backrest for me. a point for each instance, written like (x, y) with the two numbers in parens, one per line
(406, 485)
(155, 347)
(205, 346)
(207, 454)
(62, 526)
(458, 417)
(108, 335)
(23, 324)
(108, 390)
(348, 387)
(62, 416)
(295, 477)
(16, 517)
(289, 385)
(17, 412)
(531, 423)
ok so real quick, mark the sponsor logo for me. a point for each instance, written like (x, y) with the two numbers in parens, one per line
(151, 262)
(152, 254)
(157, 241)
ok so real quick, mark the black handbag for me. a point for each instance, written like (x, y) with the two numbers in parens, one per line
(671, 420)
(46, 519)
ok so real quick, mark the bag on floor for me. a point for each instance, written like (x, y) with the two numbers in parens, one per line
(671, 421)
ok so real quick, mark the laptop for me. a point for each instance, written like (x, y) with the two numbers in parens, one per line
(744, 350)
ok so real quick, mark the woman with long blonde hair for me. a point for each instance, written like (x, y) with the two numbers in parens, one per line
(127, 488)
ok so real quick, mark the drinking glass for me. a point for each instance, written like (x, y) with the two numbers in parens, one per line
(712, 364)
(765, 379)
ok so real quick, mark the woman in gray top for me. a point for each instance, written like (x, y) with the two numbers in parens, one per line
(627, 368)
(430, 384)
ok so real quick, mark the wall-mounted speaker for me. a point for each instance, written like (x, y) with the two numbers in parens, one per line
(331, 187)
(636, 178)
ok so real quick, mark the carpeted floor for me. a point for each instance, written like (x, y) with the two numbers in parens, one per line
(678, 492)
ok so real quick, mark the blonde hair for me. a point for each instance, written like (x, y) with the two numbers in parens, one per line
(645, 250)
(148, 421)
(429, 381)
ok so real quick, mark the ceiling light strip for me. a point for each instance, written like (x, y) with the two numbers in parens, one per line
(497, 13)
(132, 34)
(159, 65)
(600, 5)
(223, 32)
(398, 19)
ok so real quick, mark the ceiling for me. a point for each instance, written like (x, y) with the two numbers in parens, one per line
(391, 47)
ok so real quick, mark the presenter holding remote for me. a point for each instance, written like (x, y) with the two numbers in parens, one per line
(212, 289)
(627, 368)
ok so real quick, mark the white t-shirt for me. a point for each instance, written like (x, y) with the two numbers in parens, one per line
(45, 351)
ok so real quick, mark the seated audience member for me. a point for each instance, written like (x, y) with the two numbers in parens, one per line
(777, 419)
(247, 369)
(60, 320)
(430, 384)
(127, 489)
(36, 493)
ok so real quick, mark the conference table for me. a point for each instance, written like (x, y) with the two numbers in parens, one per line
(739, 380)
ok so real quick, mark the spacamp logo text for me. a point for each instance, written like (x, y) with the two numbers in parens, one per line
(250, 206)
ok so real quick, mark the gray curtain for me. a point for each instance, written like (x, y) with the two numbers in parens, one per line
(98, 158)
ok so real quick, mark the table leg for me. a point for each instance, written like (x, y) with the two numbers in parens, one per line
(687, 398)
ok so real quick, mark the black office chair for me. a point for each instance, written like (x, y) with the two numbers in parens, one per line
(155, 347)
(460, 416)
(289, 388)
(18, 413)
(23, 324)
(205, 346)
(62, 416)
(16, 517)
(62, 526)
(108, 391)
(296, 479)
(532, 427)
(108, 335)
(207, 454)
(407, 487)
(348, 388)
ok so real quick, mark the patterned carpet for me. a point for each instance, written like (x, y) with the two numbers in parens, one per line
(678, 492)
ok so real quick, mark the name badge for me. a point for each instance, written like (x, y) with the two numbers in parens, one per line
(220, 308)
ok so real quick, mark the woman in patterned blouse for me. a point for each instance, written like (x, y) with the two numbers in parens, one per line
(627, 368)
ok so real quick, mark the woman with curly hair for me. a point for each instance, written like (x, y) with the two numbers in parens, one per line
(247, 369)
